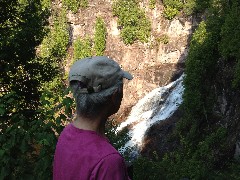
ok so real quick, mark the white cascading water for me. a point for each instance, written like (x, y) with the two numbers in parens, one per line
(158, 105)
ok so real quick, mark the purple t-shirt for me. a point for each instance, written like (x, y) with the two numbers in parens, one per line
(86, 155)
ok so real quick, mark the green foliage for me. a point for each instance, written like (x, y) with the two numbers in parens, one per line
(152, 4)
(56, 43)
(74, 5)
(186, 162)
(163, 39)
(231, 33)
(128, 35)
(100, 37)
(21, 31)
(172, 8)
(30, 103)
(56, 110)
(196, 6)
(117, 139)
(230, 44)
(82, 48)
(28, 138)
(201, 6)
(201, 67)
(178, 4)
(148, 169)
(46, 4)
(188, 7)
(35, 105)
(132, 20)
(170, 12)
(204, 145)
(232, 172)
(56, 107)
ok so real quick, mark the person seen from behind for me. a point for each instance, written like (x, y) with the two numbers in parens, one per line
(83, 152)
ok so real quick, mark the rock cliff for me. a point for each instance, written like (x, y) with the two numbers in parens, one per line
(152, 64)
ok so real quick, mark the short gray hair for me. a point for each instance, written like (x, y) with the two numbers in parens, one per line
(90, 105)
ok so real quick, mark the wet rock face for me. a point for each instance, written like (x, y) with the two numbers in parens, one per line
(144, 82)
(159, 138)
(152, 120)
(152, 64)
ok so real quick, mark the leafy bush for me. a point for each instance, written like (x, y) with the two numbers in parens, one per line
(201, 67)
(196, 6)
(74, 5)
(230, 44)
(188, 7)
(132, 20)
(163, 39)
(56, 42)
(172, 8)
(178, 4)
(33, 106)
(53, 50)
(152, 4)
(170, 12)
(100, 37)
(190, 162)
(82, 48)
(46, 4)
(117, 139)
(128, 35)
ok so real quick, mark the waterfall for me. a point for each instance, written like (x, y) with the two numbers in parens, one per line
(158, 105)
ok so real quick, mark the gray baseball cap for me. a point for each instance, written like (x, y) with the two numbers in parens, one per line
(97, 73)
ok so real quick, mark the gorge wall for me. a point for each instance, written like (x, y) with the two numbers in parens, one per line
(152, 64)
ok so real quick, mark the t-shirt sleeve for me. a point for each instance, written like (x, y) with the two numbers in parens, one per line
(110, 167)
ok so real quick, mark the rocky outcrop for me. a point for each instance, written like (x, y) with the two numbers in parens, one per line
(152, 64)
(160, 139)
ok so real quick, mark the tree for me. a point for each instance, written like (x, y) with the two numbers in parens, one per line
(24, 137)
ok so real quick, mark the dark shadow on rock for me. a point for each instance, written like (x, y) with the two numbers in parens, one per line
(160, 137)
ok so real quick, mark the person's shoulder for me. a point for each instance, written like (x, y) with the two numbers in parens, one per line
(67, 128)
(101, 145)
(113, 157)
(111, 166)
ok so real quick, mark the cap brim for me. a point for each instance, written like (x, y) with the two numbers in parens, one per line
(127, 75)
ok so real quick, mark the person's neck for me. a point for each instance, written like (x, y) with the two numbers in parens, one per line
(93, 124)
